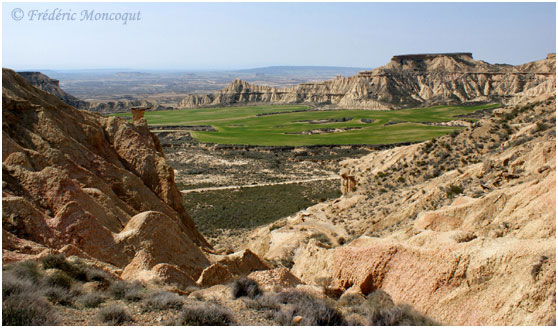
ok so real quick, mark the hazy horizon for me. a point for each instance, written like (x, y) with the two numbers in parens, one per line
(236, 36)
(171, 70)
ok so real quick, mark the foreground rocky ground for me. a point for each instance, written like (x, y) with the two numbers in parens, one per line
(60, 291)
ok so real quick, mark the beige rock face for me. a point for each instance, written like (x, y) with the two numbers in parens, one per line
(410, 80)
(87, 185)
(471, 262)
(483, 282)
(161, 240)
(480, 253)
(241, 263)
(215, 274)
(277, 277)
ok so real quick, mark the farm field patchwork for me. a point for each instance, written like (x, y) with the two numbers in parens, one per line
(292, 125)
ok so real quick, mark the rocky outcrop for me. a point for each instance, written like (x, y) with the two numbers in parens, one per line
(348, 182)
(98, 187)
(215, 274)
(482, 282)
(241, 263)
(406, 81)
(269, 279)
(52, 86)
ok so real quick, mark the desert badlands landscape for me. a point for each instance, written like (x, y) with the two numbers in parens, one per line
(278, 163)
(118, 219)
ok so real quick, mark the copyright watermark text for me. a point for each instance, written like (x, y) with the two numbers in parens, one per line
(58, 15)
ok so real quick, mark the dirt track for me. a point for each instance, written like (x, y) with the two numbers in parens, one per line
(258, 184)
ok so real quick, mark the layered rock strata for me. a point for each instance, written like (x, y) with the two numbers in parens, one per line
(406, 81)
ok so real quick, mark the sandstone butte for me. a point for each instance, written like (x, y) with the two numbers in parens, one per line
(77, 183)
(406, 81)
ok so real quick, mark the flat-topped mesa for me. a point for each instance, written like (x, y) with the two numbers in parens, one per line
(38, 79)
(400, 58)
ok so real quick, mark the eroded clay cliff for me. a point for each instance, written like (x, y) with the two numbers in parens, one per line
(462, 227)
(77, 183)
(406, 81)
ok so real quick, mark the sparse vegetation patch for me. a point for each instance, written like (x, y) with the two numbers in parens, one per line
(115, 315)
(245, 287)
(252, 207)
(206, 314)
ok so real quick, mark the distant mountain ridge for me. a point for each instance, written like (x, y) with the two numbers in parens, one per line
(407, 80)
(298, 69)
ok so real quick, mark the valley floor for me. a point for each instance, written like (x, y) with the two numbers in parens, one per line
(229, 191)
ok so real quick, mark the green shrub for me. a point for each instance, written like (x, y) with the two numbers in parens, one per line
(162, 300)
(379, 299)
(28, 310)
(321, 237)
(124, 290)
(400, 315)
(25, 270)
(91, 300)
(58, 295)
(541, 127)
(58, 261)
(14, 285)
(245, 287)
(351, 300)
(212, 210)
(454, 191)
(118, 289)
(114, 315)
(100, 276)
(135, 293)
(206, 314)
(59, 279)
(314, 311)
(78, 271)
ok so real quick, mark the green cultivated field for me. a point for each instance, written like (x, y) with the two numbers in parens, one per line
(240, 125)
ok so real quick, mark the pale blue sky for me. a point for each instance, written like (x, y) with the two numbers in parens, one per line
(245, 35)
